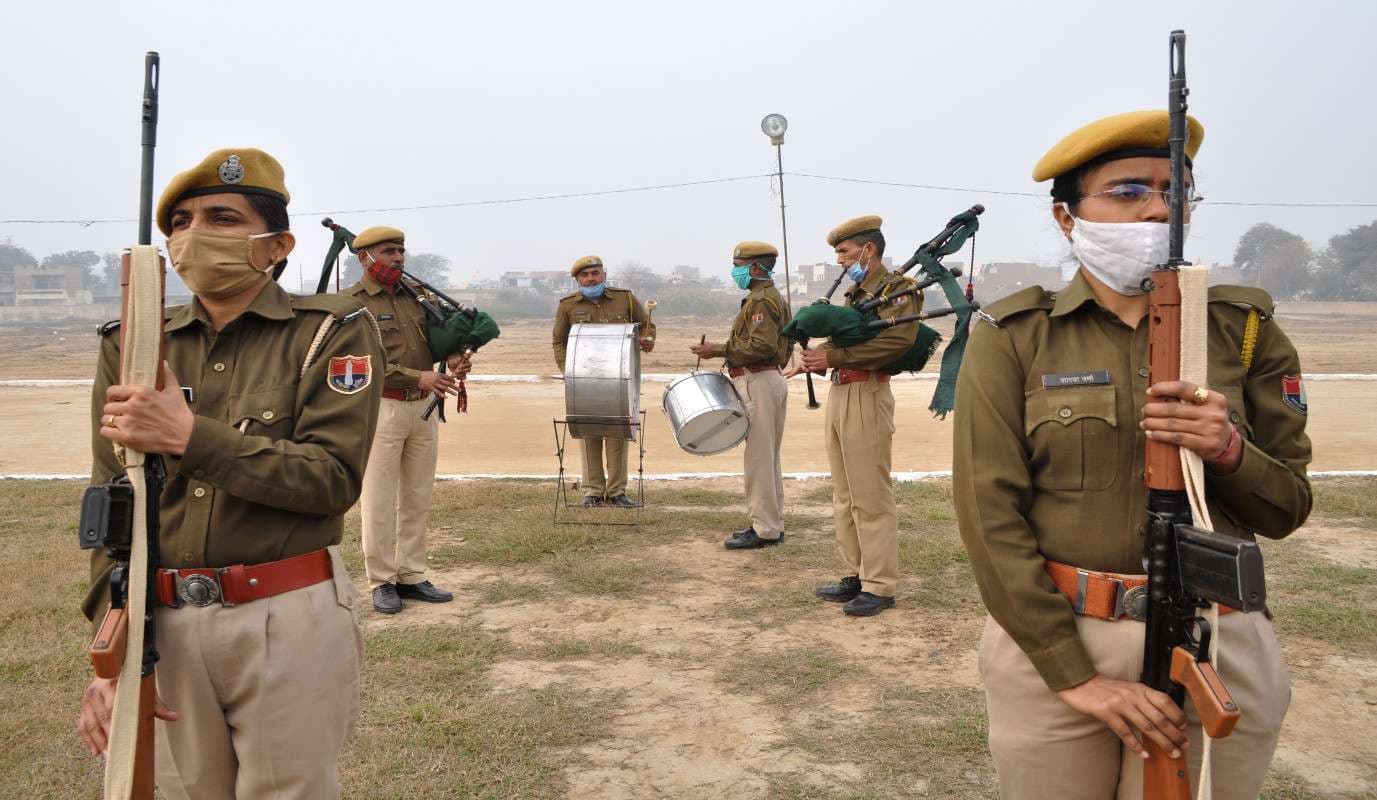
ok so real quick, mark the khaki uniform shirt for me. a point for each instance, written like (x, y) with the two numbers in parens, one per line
(1048, 455)
(891, 343)
(275, 459)
(402, 323)
(615, 306)
(755, 335)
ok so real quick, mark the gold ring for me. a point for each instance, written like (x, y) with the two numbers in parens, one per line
(1201, 395)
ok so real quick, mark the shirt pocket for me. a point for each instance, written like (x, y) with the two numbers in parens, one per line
(1073, 438)
(265, 412)
(392, 339)
(575, 317)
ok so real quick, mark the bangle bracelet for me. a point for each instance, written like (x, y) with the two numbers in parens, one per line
(1228, 448)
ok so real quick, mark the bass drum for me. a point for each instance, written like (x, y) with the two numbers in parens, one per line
(706, 413)
(602, 381)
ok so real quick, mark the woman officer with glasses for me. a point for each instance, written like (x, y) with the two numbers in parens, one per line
(1053, 407)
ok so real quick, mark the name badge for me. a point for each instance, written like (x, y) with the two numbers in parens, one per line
(1062, 380)
(384, 317)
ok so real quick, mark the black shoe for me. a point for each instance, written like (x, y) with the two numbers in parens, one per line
(620, 501)
(749, 540)
(424, 591)
(866, 604)
(386, 600)
(592, 501)
(842, 591)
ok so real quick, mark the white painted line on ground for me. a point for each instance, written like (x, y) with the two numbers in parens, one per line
(901, 477)
(649, 377)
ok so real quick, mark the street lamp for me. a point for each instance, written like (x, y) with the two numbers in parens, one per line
(774, 126)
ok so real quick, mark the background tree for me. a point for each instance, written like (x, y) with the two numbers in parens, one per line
(1275, 259)
(638, 278)
(12, 255)
(85, 259)
(110, 273)
(1347, 269)
(432, 268)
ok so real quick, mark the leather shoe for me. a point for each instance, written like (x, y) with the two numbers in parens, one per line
(866, 604)
(424, 591)
(749, 540)
(620, 501)
(842, 591)
(592, 501)
(386, 600)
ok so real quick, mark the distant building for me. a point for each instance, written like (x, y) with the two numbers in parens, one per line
(36, 285)
(996, 280)
(683, 273)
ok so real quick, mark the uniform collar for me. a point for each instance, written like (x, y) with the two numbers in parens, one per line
(371, 286)
(871, 283)
(1076, 294)
(759, 285)
(271, 303)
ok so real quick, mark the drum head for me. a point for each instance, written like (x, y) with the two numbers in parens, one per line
(714, 431)
(602, 378)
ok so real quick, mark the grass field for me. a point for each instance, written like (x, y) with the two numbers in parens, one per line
(596, 662)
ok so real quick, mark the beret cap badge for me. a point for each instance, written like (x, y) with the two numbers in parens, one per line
(231, 171)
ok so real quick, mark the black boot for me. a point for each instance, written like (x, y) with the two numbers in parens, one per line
(386, 599)
(749, 540)
(842, 591)
(424, 591)
(620, 501)
(866, 604)
(592, 501)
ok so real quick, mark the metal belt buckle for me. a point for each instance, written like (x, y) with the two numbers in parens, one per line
(1130, 602)
(200, 590)
(835, 377)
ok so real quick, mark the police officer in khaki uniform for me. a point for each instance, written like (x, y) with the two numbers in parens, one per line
(265, 453)
(755, 353)
(1052, 407)
(860, 425)
(400, 478)
(595, 301)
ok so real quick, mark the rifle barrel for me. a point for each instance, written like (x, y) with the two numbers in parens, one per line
(148, 141)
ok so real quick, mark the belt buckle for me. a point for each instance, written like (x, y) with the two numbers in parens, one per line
(1131, 602)
(835, 377)
(200, 590)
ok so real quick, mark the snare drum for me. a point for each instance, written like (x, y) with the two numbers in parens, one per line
(706, 413)
(602, 381)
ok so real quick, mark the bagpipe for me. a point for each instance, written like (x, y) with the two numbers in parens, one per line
(849, 325)
(451, 327)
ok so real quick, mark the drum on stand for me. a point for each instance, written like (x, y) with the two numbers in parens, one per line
(706, 413)
(602, 381)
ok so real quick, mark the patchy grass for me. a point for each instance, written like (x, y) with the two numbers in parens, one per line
(499, 592)
(1349, 497)
(1283, 784)
(564, 647)
(791, 676)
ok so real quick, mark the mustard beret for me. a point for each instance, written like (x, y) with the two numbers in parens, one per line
(584, 263)
(754, 250)
(853, 227)
(1137, 133)
(238, 170)
(376, 235)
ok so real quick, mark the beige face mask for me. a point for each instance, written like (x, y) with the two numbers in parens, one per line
(216, 265)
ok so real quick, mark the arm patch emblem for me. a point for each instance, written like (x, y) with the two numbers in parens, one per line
(350, 374)
(1293, 394)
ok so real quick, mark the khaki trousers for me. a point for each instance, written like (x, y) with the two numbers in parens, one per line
(766, 395)
(595, 482)
(267, 692)
(397, 486)
(860, 433)
(1043, 748)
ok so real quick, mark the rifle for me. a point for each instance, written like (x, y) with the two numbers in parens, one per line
(1188, 567)
(123, 516)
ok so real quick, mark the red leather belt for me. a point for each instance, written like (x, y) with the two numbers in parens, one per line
(1104, 595)
(736, 372)
(404, 394)
(841, 375)
(231, 586)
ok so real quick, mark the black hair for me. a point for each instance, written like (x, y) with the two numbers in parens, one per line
(870, 237)
(274, 213)
(1066, 187)
(766, 263)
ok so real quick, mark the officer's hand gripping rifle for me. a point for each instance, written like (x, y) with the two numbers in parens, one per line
(1188, 567)
(122, 516)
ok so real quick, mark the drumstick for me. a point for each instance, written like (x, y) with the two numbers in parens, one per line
(701, 342)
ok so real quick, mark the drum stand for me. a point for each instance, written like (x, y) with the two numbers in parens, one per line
(574, 512)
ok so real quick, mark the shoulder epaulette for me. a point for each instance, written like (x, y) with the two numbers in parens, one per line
(342, 307)
(1249, 296)
(772, 303)
(113, 325)
(571, 296)
(1030, 299)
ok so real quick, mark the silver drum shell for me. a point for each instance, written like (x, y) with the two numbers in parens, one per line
(602, 380)
(706, 413)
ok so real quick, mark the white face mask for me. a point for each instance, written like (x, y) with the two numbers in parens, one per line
(1121, 254)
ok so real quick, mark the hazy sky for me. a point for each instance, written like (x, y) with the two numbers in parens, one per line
(373, 105)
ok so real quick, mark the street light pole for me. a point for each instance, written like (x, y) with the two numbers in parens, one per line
(774, 126)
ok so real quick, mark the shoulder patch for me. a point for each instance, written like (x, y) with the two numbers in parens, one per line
(108, 328)
(1293, 394)
(350, 374)
(341, 306)
(1034, 298)
(1249, 296)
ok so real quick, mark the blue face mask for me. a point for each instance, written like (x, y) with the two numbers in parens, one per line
(593, 291)
(742, 276)
(856, 272)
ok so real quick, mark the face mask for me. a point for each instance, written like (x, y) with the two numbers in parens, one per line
(593, 291)
(742, 276)
(856, 272)
(1121, 254)
(216, 265)
(382, 273)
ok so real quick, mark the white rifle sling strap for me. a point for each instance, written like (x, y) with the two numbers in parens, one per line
(1194, 283)
(139, 366)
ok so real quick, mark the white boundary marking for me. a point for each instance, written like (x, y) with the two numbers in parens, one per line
(901, 477)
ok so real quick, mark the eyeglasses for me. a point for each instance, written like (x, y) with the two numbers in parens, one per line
(1136, 195)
